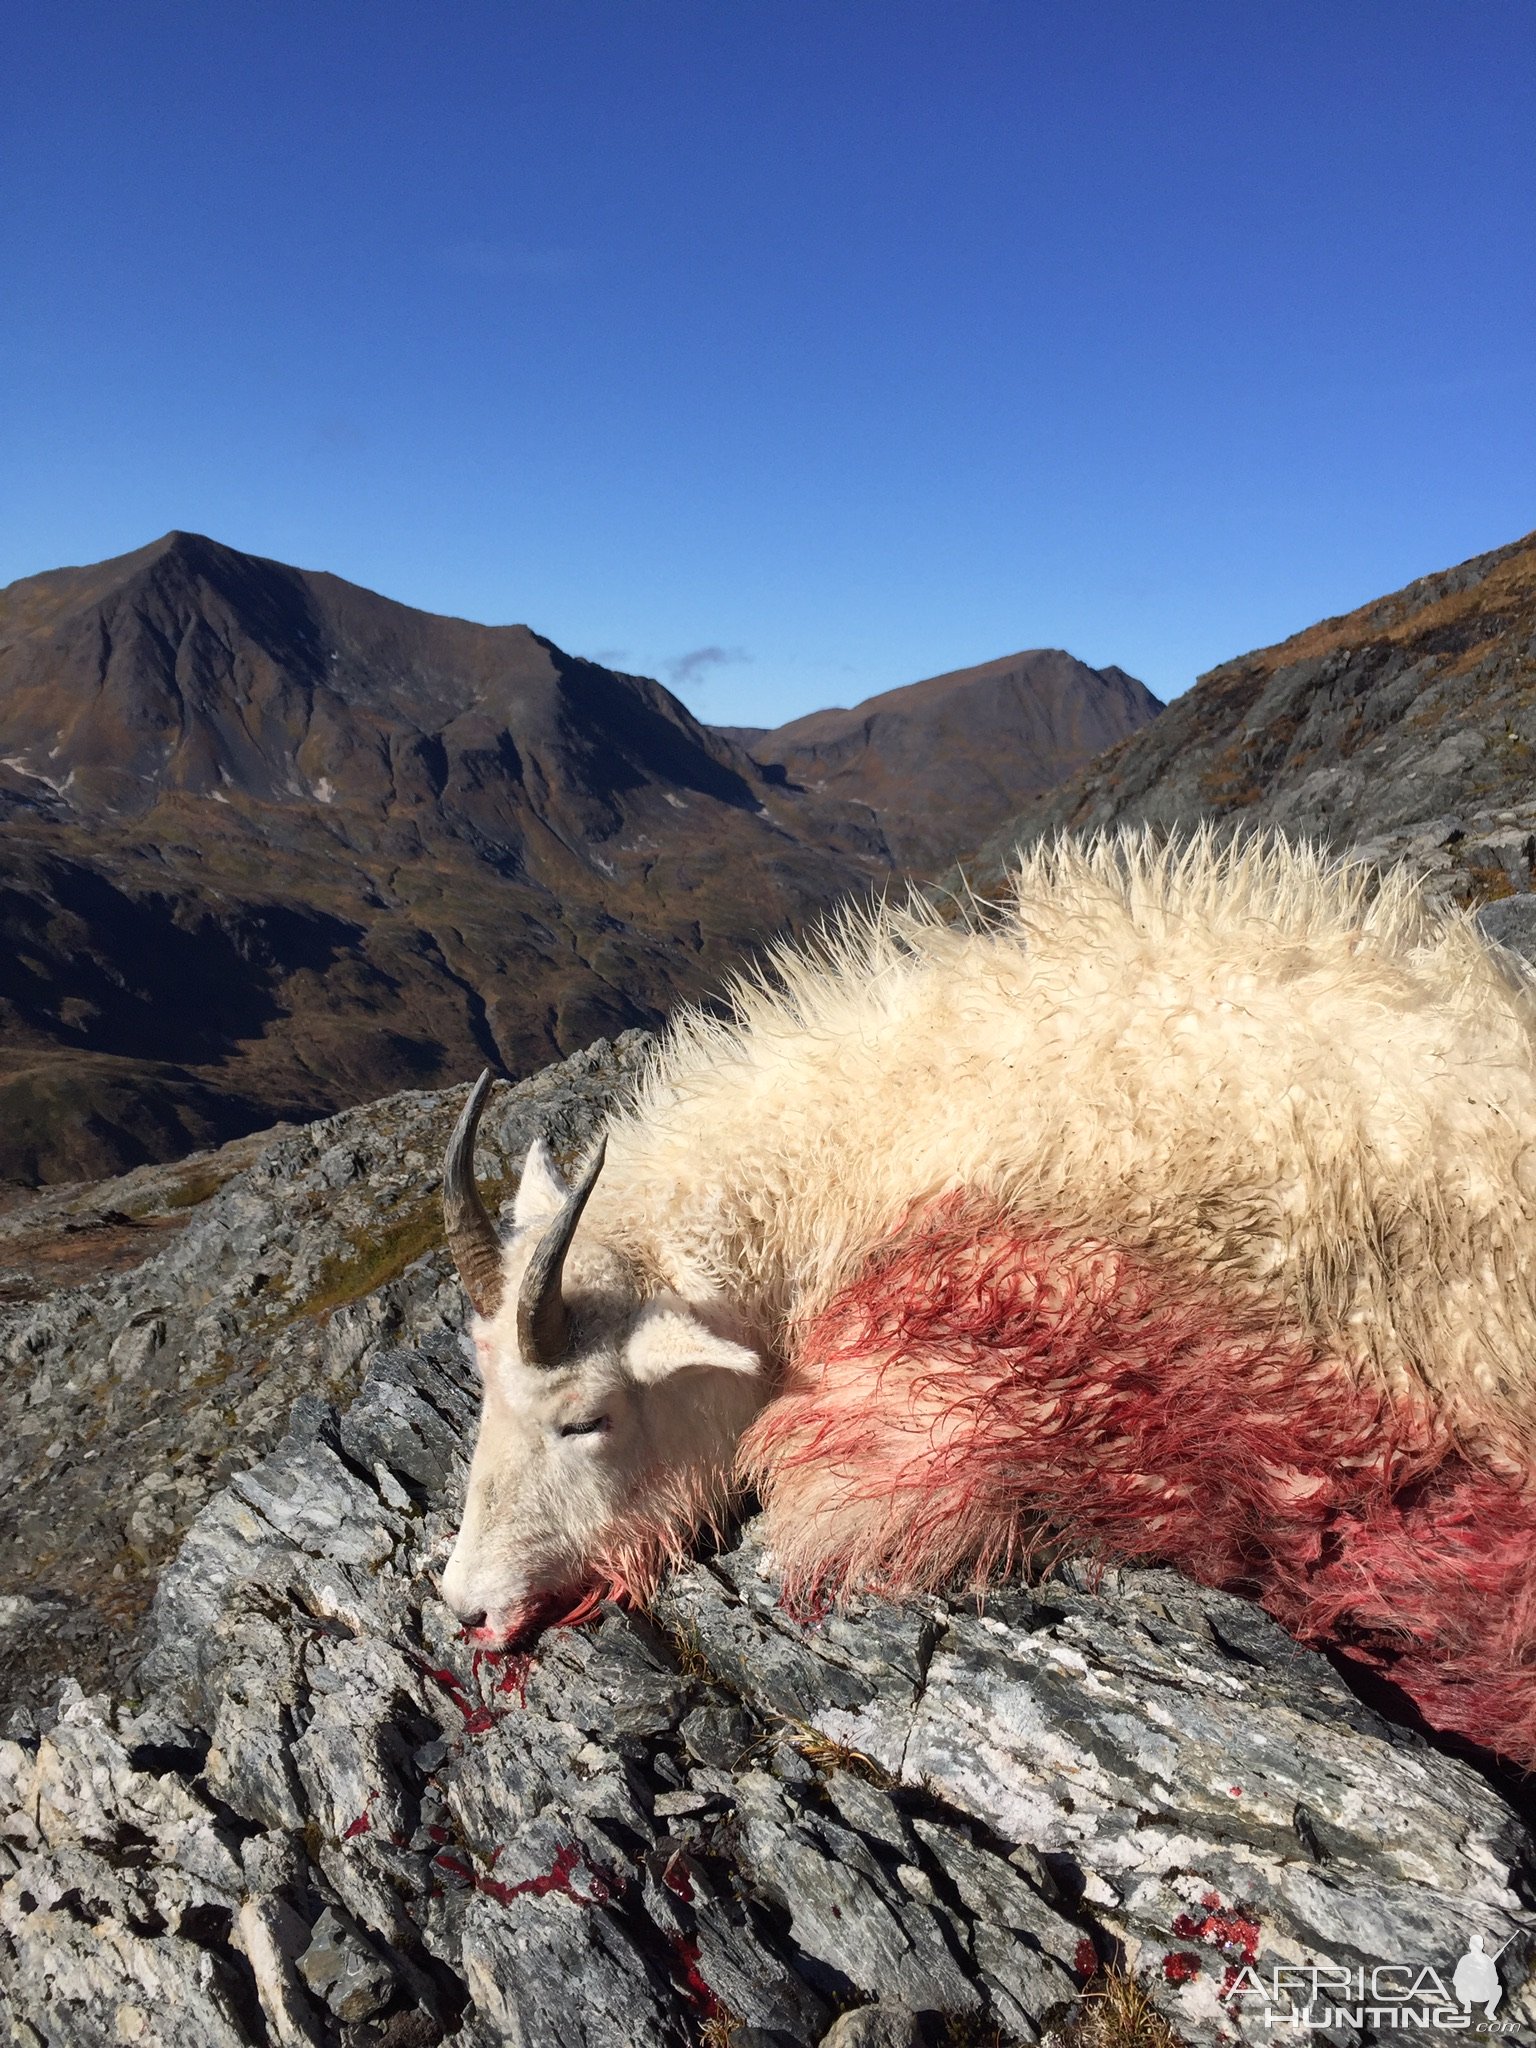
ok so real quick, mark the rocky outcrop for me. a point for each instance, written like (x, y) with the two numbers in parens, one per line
(323, 1817)
(1411, 720)
(156, 1330)
(317, 1815)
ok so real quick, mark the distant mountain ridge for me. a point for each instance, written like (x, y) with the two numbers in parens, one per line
(271, 844)
(198, 669)
(938, 761)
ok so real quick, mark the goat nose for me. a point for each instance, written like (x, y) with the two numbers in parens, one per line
(458, 1598)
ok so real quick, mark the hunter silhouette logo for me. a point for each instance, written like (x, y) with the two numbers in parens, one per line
(1317, 1998)
(1476, 1977)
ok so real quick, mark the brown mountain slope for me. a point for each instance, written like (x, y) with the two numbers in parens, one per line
(270, 844)
(1405, 727)
(942, 762)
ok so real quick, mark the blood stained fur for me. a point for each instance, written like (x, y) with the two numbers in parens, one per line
(985, 1390)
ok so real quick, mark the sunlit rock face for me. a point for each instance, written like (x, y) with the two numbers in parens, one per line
(1404, 729)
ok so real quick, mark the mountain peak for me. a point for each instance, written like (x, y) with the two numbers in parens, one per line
(938, 757)
(190, 667)
(274, 843)
(180, 541)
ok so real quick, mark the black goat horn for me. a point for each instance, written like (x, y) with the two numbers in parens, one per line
(470, 1232)
(543, 1320)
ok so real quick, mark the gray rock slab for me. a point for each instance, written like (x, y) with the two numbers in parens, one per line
(1512, 921)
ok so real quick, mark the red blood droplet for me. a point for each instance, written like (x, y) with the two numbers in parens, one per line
(698, 1993)
(515, 1678)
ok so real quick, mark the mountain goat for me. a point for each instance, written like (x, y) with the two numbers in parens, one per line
(1184, 1209)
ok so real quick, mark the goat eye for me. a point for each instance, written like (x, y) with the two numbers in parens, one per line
(595, 1427)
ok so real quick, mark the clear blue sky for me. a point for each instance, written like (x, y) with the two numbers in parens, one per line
(785, 349)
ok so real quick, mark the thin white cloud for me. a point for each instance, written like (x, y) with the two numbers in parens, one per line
(695, 665)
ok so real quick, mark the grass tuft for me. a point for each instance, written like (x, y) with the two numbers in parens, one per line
(195, 1189)
(1487, 884)
(372, 1259)
(682, 1638)
(1116, 2011)
(827, 1754)
(972, 2030)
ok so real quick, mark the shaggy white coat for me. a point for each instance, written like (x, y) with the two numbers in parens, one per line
(1249, 1063)
(1255, 1059)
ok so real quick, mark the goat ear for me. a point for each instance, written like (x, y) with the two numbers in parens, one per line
(668, 1339)
(541, 1192)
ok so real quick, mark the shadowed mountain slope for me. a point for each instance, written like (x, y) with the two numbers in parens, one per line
(942, 762)
(1406, 727)
(271, 844)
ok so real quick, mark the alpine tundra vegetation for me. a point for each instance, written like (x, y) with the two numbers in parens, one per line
(1182, 1209)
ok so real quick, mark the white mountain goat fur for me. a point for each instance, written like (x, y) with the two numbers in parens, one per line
(1184, 1208)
